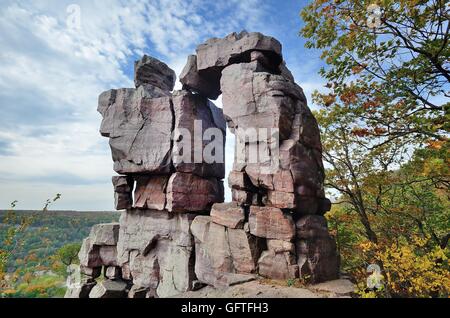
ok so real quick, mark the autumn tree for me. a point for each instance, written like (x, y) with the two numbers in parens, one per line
(393, 56)
(384, 125)
(16, 228)
(68, 254)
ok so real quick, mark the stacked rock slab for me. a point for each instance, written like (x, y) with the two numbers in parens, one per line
(175, 233)
(278, 200)
(152, 254)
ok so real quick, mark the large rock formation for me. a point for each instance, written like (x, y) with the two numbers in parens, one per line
(168, 148)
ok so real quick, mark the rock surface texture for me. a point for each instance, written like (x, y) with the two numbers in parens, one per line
(175, 233)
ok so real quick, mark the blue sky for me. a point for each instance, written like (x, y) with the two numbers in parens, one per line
(51, 76)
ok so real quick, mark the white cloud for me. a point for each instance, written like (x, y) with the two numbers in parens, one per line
(51, 76)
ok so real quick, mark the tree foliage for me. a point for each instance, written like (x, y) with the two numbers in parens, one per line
(388, 60)
(384, 125)
(68, 254)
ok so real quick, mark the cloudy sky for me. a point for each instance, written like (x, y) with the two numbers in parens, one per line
(53, 69)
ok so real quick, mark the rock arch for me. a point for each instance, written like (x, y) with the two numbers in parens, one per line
(175, 231)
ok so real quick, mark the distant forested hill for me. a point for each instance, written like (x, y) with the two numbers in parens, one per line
(49, 231)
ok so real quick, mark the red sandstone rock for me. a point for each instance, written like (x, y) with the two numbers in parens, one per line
(220, 251)
(272, 223)
(239, 180)
(282, 200)
(188, 192)
(195, 115)
(123, 186)
(221, 52)
(277, 265)
(242, 197)
(316, 250)
(150, 192)
(150, 71)
(230, 215)
(193, 80)
(139, 124)
(283, 182)
(318, 259)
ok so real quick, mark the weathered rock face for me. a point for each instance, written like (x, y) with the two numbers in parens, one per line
(271, 223)
(104, 234)
(230, 215)
(187, 192)
(203, 71)
(139, 124)
(99, 249)
(150, 192)
(236, 48)
(192, 80)
(169, 149)
(157, 246)
(109, 289)
(195, 118)
(123, 187)
(278, 265)
(316, 249)
(80, 291)
(151, 71)
(222, 252)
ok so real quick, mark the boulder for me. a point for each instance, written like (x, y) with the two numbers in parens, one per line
(239, 180)
(277, 265)
(81, 290)
(245, 250)
(242, 197)
(139, 124)
(220, 251)
(113, 272)
(279, 246)
(271, 223)
(123, 201)
(123, 187)
(194, 151)
(212, 253)
(108, 255)
(123, 184)
(188, 192)
(155, 250)
(151, 71)
(265, 100)
(109, 289)
(193, 80)
(150, 192)
(235, 48)
(230, 215)
(282, 200)
(89, 255)
(104, 234)
(318, 259)
(317, 254)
